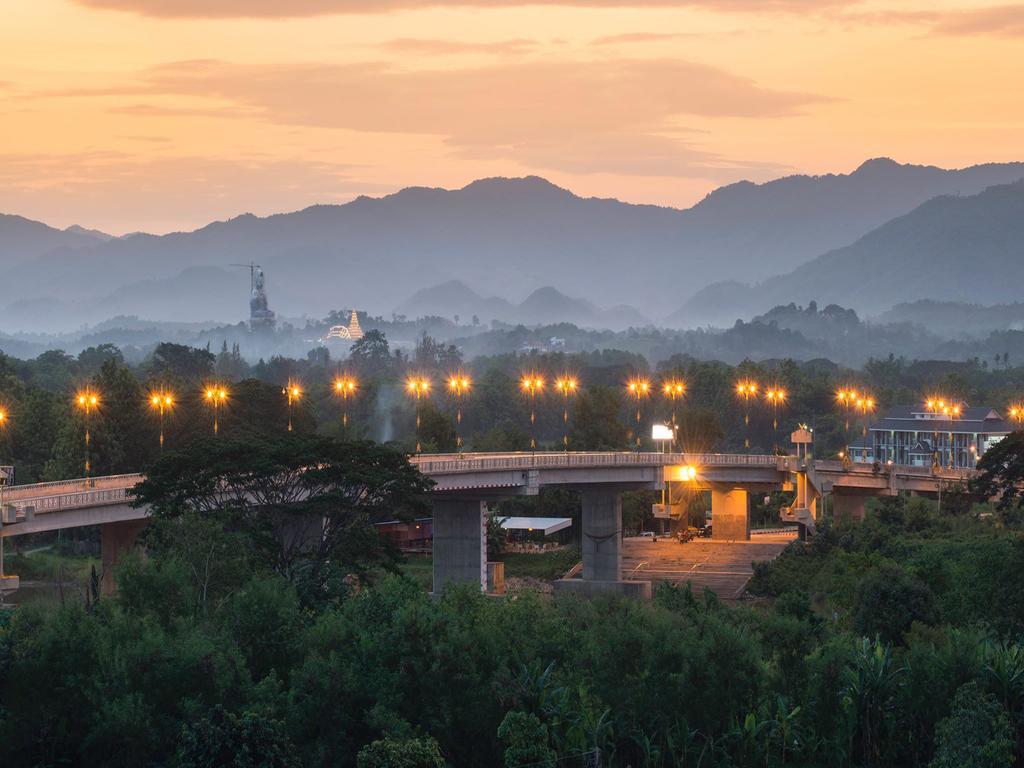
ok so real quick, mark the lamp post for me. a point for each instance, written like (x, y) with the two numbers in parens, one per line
(417, 387)
(345, 386)
(294, 393)
(161, 402)
(532, 384)
(776, 399)
(87, 402)
(1016, 413)
(674, 389)
(746, 389)
(459, 384)
(216, 396)
(639, 389)
(567, 385)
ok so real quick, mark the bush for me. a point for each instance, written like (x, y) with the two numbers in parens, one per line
(977, 733)
(400, 753)
(889, 601)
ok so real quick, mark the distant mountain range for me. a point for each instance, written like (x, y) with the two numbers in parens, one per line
(961, 249)
(506, 237)
(542, 307)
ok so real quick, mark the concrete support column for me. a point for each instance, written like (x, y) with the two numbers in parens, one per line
(460, 543)
(730, 514)
(602, 549)
(847, 507)
(602, 535)
(115, 540)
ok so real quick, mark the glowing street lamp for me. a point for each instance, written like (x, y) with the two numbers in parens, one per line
(293, 392)
(1016, 412)
(532, 384)
(674, 390)
(215, 396)
(776, 399)
(87, 401)
(459, 384)
(345, 386)
(161, 402)
(639, 389)
(417, 387)
(746, 389)
(567, 385)
(866, 405)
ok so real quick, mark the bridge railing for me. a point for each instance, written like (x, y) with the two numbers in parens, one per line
(14, 493)
(471, 462)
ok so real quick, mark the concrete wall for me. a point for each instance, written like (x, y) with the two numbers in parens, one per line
(848, 507)
(460, 543)
(115, 540)
(602, 535)
(730, 514)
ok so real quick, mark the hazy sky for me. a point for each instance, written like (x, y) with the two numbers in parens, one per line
(165, 114)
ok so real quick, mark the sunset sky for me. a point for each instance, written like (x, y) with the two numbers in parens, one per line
(160, 115)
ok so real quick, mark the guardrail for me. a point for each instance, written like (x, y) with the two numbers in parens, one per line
(482, 462)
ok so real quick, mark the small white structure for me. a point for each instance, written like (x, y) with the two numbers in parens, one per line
(545, 525)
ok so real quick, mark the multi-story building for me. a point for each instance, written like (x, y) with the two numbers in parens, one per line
(921, 437)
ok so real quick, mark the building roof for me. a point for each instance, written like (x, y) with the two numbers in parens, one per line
(546, 525)
(914, 418)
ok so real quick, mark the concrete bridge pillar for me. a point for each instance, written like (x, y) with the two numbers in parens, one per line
(602, 548)
(115, 540)
(847, 507)
(460, 543)
(730, 514)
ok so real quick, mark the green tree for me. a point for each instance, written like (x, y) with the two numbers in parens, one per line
(308, 503)
(596, 425)
(977, 733)
(371, 355)
(390, 752)
(526, 741)
(888, 601)
(222, 739)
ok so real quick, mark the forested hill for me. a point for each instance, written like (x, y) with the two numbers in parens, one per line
(505, 237)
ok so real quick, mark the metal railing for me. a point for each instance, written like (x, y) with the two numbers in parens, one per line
(482, 462)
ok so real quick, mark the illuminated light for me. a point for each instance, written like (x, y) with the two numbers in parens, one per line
(662, 432)
(639, 387)
(686, 473)
(566, 385)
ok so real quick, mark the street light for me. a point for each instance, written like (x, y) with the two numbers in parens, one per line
(532, 384)
(674, 390)
(776, 398)
(746, 389)
(459, 384)
(87, 401)
(215, 396)
(418, 387)
(640, 389)
(293, 392)
(1016, 412)
(345, 386)
(161, 402)
(567, 385)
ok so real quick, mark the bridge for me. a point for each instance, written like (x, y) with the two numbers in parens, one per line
(465, 483)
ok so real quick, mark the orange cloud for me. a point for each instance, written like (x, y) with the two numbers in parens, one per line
(297, 8)
(618, 115)
(431, 46)
(1002, 21)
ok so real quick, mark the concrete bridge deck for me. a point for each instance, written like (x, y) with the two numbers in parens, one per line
(464, 482)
